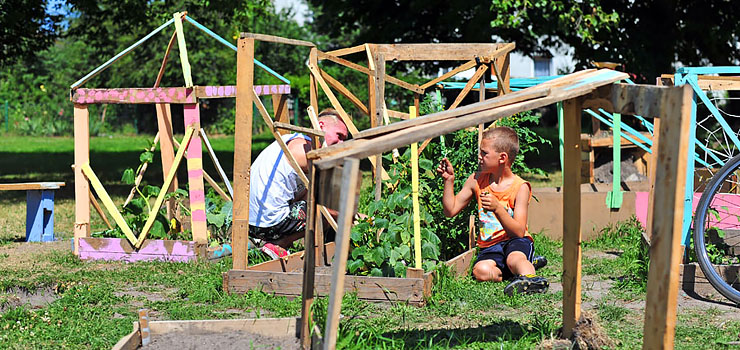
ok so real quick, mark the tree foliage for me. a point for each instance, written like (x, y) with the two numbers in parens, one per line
(25, 28)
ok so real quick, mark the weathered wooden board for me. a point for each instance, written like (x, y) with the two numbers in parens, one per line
(179, 95)
(31, 186)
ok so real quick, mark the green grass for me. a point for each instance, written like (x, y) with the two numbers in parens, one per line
(94, 303)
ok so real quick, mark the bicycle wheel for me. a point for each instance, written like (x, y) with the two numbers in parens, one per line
(717, 230)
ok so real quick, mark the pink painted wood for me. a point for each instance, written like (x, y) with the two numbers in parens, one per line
(728, 217)
(195, 177)
(118, 249)
(177, 95)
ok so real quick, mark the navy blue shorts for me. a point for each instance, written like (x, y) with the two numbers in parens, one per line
(500, 251)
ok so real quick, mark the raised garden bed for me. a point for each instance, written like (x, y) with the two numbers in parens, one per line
(285, 277)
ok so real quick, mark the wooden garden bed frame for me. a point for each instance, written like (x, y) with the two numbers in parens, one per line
(585, 89)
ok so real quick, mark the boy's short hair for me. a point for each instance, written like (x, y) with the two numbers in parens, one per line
(331, 114)
(504, 140)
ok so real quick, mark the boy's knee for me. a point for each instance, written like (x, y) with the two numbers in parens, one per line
(483, 271)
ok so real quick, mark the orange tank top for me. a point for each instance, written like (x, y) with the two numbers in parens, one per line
(490, 230)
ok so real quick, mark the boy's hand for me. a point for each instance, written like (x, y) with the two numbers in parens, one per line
(489, 202)
(445, 170)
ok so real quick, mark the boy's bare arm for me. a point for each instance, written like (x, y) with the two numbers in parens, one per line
(453, 204)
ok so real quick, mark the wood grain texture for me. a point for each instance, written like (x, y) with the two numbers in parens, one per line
(277, 39)
(441, 52)
(665, 250)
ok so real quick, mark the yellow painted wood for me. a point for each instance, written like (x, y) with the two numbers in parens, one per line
(183, 49)
(160, 198)
(108, 202)
(415, 196)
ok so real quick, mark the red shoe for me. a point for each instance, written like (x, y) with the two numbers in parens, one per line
(274, 251)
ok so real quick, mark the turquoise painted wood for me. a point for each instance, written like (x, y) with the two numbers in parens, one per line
(614, 197)
(40, 215)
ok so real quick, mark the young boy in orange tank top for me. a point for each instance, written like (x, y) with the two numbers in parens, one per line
(506, 248)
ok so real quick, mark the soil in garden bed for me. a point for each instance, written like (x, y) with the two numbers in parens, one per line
(224, 340)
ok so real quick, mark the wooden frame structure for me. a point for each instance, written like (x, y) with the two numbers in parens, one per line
(585, 89)
(136, 248)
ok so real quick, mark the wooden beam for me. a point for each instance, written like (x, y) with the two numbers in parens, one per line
(300, 129)
(474, 79)
(242, 150)
(220, 169)
(361, 69)
(378, 77)
(349, 197)
(501, 67)
(519, 96)
(165, 59)
(440, 52)
(465, 66)
(172, 95)
(166, 151)
(277, 39)
(572, 110)
(273, 327)
(280, 110)
(397, 114)
(140, 174)
(107, 202)
(629, 99)
(82, 187)
(359, 147)
(183, 49)
(25, 186)
(338, 107)
(347, 50)
(196, 188)
(665, 251)
(307, 294)
(98, 209)
(344, 91)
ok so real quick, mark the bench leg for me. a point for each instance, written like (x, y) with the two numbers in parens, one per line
(39, 216)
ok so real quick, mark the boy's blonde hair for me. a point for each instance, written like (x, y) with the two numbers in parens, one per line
(504, 140)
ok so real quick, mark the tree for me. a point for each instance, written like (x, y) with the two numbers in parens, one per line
(25, 29)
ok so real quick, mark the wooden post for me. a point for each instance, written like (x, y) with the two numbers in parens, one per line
(665, 251)
(167, 150)
(379, 77)
(309, 259)
(280, 109)
(502, 66)
(415, 197)
(571, 215)
(195, 176)
(82, 187)
(242, 150)
(652, 165)
(348, 205)
(313, 60)
(481, 98)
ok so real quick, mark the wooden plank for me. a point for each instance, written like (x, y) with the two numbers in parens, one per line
(519, 96)
(146, 335)
(370, 60)
(299, 129)
(107, 202)
(167, 151)
(216, 187)
(501, 67)
(330, 188)
(572, 111)
(280, 110)
(347, 50)
(313, 86)
(182, 47)
(82, 187)
(289, 156)
(397, 114)
(441, 52)
(309, 264)
(364, 147)
(632, 99)
(378, 76)
(344, 91)
(291, 284)
(178, 95)
(328, 217)
(119, 249)
(99, 210)
(160, 197)
(277, 39)
(242, 150)
(415, 197)
(665, 251)
(220, 169)
(31, 186)
(338, 107)
(465, 66)
(349, 198)
(460, 265)
(273, 327)
(474, 79)
(131, 341)
(165, 58)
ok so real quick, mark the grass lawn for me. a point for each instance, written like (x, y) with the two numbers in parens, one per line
(51, 300)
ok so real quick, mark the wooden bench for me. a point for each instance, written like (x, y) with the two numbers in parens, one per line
(39, 208)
